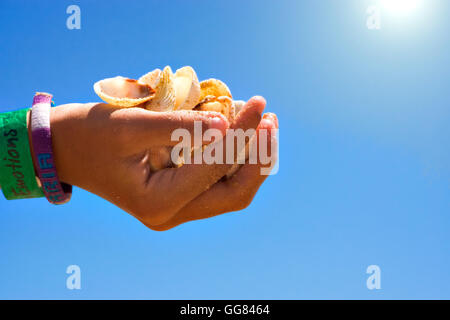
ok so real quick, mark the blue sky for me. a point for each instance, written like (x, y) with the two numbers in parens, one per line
(364, 159)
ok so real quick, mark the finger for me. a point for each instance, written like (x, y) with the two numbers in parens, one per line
(233, 194)
(248, 119)
(244, 153)
(250, 112)
(171, 189)
(149, 128)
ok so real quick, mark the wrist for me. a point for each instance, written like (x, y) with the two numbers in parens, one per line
(54, 189)
(61, 142)
(29, 138)
(66, 132)
(55, 120)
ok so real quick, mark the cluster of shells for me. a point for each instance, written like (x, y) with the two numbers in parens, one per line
(167, 91)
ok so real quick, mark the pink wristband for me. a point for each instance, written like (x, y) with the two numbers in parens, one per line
(41, 136)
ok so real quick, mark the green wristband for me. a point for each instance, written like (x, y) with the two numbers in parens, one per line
(17, 176)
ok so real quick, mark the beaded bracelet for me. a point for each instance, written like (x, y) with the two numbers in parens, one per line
(55, 191)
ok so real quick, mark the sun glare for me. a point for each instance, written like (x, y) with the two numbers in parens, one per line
(401, 6)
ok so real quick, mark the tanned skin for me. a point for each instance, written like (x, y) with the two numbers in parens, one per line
(104, 150)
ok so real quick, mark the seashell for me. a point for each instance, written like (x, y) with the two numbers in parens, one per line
(214, 87)
(164, 99)
(151, 78)
(222, 104)
(164, 91)
(123, 92)
(238, 105)
(187, 89)
(232, 112)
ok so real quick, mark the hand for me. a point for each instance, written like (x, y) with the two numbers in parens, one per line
(105, 150)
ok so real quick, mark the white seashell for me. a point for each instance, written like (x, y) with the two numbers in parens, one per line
(164, 91)
(151, 78)
(238, 105)
(123, 92)
(164, 99)
(187, 89)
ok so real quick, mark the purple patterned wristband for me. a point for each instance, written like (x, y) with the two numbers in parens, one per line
(55, 191)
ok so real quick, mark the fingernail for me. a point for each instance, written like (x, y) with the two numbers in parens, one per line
(266, 123)
(272, 117)
(258, 102)
(259, 98)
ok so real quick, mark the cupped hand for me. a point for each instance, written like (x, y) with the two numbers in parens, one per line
(105, 150)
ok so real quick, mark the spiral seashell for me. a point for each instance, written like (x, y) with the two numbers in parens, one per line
(123, 92)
